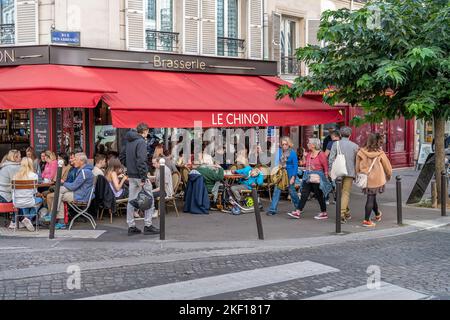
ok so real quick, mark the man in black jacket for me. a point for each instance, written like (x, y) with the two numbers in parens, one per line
(134, 157)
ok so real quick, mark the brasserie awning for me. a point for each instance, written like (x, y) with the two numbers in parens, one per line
(162, 99)
(50, 86)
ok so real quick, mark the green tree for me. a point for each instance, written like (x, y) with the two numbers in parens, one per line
(390, 57)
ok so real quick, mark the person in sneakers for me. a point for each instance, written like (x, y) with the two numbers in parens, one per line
(100, 165)
(372, 161)
(134, 157)
(26, 199)
(286, 158)
(78, 190)
(252, 177)
(349, 149)
(8, 168)
(315, 179)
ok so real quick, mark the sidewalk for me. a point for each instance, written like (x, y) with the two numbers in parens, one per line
(218, 226)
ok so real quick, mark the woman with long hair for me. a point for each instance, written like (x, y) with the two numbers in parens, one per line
(372, 161)
(114, 175)
(25, 199)
(31, 153)
(51, 166)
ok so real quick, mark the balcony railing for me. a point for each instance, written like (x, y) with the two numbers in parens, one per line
(230, 47)
(290, 65)
(161, 40)
(7, 33)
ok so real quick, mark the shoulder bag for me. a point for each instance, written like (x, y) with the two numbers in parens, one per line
(339, 166)
(313, 177)
(362, 178)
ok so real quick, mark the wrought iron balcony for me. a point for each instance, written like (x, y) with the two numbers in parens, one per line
(230, 47)
(7, 33)
(290, 65)
(161, 40)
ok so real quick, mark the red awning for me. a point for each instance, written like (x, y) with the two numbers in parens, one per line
(50, 86)
(178, 100)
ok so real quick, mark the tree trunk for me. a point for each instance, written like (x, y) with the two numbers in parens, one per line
(439, 132)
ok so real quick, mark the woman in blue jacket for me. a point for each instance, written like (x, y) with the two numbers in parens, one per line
(287, 158)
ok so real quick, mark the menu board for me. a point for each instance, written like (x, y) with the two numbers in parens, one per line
(41, 134)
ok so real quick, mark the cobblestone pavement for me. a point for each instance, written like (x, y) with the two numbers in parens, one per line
(417, 261)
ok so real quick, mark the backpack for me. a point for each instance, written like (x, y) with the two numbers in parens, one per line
(279, 178)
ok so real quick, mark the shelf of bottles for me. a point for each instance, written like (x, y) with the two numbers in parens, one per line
(14, 126)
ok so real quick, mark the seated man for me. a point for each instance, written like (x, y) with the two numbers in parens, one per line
(252, 178)
(213, 176)
(79, 190)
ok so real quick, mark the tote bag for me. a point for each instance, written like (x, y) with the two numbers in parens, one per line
(362, 178)
(339, 166)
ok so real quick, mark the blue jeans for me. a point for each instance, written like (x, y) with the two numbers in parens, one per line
(276, 198)
(29, 213)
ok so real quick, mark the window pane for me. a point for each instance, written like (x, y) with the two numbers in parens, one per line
(166, 24)
(150, 24)
(7, 21)
(233, 27)
(220, 27)
(398, 135)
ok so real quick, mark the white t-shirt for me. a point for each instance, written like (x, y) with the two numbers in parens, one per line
(25, 198)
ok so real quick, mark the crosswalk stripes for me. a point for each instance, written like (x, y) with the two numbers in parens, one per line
(209, 286)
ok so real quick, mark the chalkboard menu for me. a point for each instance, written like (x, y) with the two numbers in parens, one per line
(41, 131)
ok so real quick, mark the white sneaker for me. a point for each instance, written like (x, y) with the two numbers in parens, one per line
(28, 224)
(321, 216)
(155, 214)
(12, 225)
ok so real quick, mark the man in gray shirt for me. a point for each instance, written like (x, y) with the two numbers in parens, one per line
(349, 149)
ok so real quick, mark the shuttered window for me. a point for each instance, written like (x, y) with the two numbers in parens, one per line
(255, 33)
(26, 26)
(135, 24)
(209, 33)
(159, 33)
(228, 43)
(191, 28)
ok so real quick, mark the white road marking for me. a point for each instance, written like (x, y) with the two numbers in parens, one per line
(12, 248)
(209, 286)
(386, 291)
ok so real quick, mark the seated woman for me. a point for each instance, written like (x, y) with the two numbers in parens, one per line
(9, 166)
(26, 199)
(51, 166)
(114, 175)
(66, 167)
(252, 177)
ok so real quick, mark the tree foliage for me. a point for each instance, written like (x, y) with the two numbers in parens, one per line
(390, 57)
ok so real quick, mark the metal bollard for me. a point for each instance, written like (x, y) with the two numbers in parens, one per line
(444, 194)
(338, 204)
(398, 185)
(56, 200)
(162, 198)
(257, 214)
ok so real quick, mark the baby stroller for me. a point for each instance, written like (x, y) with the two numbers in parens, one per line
(229, 204)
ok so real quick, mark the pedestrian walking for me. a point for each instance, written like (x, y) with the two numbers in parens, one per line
(372, 161)
(135, 157)
(286, 158)
(315, 179)
(349, 149)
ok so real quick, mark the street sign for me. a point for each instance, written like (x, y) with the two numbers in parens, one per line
(66, 37)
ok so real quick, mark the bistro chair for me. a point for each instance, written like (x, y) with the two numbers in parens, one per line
(9, 209)
(24, 185)
(184, 171)
(176, 179)
(81, 208)
(267, 184)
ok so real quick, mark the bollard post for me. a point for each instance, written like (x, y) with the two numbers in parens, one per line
(162, 200)
(56, 200)
(257, 214)
(399, 200)
(444, 194)
(338, 204)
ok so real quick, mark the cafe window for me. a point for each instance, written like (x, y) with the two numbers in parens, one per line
(228, 43)
(7, 26)
(70, 130)
(14, 130)
(159, 25)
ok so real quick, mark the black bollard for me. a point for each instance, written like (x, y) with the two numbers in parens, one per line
(444, 194)
(338, 204)
(162, 200)
(55, 200)
(257, 214)
(399, 200)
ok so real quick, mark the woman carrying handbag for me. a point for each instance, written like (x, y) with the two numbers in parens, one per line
(373, 171)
